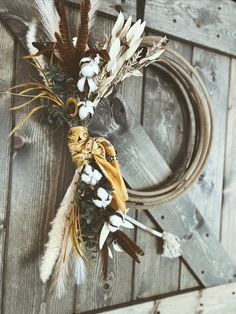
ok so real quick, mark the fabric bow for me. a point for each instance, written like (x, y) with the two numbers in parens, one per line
(84, 148)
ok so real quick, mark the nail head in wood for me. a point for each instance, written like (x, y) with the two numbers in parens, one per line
(119, 8)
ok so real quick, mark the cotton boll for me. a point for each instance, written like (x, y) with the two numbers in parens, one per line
(88, 169)
(105, 198)
(102, 194)
(83, 113)
(81, 84)
(86, 108)
(90, 175)
(115, 221)
(97, 175)
(92, 85)
(85, 59)
(98, 203)
(85, 178)
(87, 70)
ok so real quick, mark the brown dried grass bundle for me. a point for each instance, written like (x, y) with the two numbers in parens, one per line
(131, 248)
(84, 28)
(64, 42)
(105, 257)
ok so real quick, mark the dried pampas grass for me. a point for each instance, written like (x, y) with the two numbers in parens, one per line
(49, 17)
(57, 233)
(68, 265)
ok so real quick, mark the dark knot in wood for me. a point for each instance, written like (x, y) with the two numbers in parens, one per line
(19, 141)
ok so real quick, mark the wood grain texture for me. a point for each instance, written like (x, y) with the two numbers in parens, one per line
(7, 58)
(155, 275)
(229, 197)
(38, 174)
(207, 23)
(207, 193)
(163, 121)
(216, 300)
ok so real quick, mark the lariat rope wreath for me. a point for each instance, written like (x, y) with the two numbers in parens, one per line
(74, 79)
(198, 104)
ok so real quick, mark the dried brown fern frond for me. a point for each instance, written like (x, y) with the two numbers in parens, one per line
(83, 32)
(104, 254)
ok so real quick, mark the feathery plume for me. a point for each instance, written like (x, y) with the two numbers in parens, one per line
(84, 27)
(57, 233)
(30, 38)
(49, 17)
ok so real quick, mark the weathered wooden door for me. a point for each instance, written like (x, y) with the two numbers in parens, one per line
(35, 169)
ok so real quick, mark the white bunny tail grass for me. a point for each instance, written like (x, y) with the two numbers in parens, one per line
(95, 4)
(68, 265)
(49, 17)
(80, 270)
(63, 266)
(57, 233)
(171, 245)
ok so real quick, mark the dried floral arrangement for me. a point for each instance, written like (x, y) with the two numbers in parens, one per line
(74, 79)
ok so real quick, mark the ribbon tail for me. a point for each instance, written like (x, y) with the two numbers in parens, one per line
(113, 175)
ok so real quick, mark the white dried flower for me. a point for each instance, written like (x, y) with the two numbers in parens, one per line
(81, 84)
(90, 175)
(116, 221)
(86, 108)
(89, 69)
(104, 198)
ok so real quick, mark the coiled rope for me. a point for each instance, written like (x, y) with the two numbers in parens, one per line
(198, 105)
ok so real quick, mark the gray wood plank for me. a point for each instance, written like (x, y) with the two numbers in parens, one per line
(208, 23)
(207, 193)
(155, 275)
(38, 177)
(216, 300)
(7, 58)
(205, 23)
(163, 121)
(228, 227)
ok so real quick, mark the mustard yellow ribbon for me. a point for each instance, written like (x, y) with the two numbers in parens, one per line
(84, 148)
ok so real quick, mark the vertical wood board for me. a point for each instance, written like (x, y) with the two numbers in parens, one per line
(228, 227)
(7, 58)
